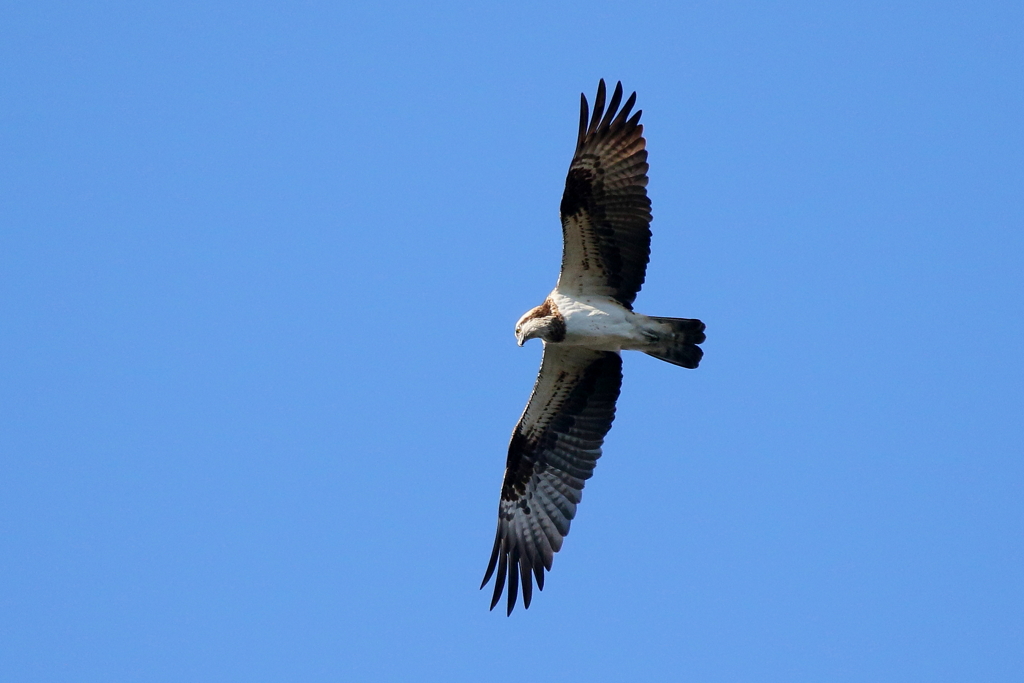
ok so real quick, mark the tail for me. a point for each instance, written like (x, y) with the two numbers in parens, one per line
(677, 341)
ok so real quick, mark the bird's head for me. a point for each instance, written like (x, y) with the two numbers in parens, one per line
(544, 321)
(527, 328)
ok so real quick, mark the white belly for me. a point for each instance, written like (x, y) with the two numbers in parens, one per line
(598, 323)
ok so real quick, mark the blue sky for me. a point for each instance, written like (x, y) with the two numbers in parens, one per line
(259, 269)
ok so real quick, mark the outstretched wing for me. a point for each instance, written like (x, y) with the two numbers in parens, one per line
(606, 215)
(552, 453)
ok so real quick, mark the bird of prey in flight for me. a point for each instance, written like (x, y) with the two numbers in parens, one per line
(584, 323)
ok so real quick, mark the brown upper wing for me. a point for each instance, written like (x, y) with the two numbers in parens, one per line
(606, 214)
(553, 451)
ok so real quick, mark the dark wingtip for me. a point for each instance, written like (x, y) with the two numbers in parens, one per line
(499, 579)
(584, 115)
(598, 105)
(493, 561)
(613, 106)
(513, 582)
(527, 584)
(624, 112)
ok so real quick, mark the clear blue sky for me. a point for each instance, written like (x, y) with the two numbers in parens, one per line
(259, 269)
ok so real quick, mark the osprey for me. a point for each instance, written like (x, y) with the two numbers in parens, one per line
(584, 324)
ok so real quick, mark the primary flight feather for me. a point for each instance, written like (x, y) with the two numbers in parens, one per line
(584, 324)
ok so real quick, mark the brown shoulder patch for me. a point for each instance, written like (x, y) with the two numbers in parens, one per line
(557, 323)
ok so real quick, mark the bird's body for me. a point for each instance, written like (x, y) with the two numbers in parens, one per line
(601, 323)
(584, 323)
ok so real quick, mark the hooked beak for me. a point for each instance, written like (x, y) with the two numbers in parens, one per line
(519, 338)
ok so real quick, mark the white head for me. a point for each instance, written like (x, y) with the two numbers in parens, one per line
(544, 321)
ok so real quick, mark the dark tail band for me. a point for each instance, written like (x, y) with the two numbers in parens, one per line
(679, 345)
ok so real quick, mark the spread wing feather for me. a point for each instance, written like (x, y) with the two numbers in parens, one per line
(606, 215)
(553, 451)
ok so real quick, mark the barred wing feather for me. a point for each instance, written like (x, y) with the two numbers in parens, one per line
(606, 215)
(553, 451)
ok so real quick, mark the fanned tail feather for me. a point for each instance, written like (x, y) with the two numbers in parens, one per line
(677, 343)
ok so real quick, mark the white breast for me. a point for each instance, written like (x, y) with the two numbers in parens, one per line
(597, 322)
